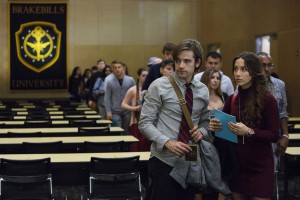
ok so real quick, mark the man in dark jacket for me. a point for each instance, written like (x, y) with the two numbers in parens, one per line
(154, 71)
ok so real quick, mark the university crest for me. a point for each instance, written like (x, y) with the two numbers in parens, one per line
(38, 45)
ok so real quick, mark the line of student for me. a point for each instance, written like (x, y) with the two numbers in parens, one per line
(257, 127)
(261, 118)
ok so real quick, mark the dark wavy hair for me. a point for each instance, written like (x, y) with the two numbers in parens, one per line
(254, 104)
(74, 72)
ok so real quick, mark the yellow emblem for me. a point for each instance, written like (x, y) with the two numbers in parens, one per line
(38, 45)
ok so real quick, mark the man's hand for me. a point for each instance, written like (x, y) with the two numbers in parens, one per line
(109, 116)
(178, 148)
(196, 134)
(282, 144)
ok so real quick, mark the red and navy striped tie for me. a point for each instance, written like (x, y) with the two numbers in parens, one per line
(184, 131)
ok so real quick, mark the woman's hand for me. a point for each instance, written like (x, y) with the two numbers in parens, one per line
(137, 108)
(215, 124)
(238, 128)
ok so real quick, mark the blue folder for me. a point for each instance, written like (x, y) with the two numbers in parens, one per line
(225, 132)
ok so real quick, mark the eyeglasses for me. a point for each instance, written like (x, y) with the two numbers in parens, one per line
(143, 75)
(264, 65)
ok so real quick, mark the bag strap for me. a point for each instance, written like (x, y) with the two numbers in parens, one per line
(182, 102)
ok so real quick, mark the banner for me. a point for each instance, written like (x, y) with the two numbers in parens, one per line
(38, 50)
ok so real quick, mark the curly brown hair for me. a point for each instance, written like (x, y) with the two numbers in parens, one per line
(254, 105)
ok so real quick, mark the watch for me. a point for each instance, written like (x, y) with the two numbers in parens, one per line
(251, 132)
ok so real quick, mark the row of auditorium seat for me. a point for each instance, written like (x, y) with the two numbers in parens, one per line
(108, 178)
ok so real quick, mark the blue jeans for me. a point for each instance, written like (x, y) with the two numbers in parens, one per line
(121, 120)
(101, 107)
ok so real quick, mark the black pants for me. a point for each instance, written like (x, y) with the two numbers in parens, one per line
(163, 186)
(212, 195)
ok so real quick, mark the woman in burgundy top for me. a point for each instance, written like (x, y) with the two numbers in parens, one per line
(257, 127)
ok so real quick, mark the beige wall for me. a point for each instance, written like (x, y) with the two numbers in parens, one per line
(236, 23)
(134, 30)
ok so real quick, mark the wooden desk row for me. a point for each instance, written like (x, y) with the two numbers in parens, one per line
(294, 128)
(69, 144)
(69, 140)
(65, 102)
(32, 105)
(59, 115)
(56, 112)
(55, 123)
(24, 109)
(294, 139)
(39, 100)
(294, 120)
(59, 131)
(76, 158)
(297, 126)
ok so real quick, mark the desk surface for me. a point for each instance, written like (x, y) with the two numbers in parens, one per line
(297, 126)
(294, 136)
(49, 109)
(51, 130)
(57, 112)
(33, 105)
(77, 139)
(19, 117)
(293, 151)
(76, 157)
(291, 119)
(58, 122)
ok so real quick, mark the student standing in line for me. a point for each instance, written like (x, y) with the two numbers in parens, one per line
(75, 85)
(257, 127)
(277, 88)
(214, 60)
(133, 103)
(116, 88)
(212, 79)
(154, 71)
(94, 101)
(86, 82)
(107, 70)
(167, 67)
(162, 122)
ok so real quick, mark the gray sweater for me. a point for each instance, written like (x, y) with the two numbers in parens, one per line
(115, 93)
